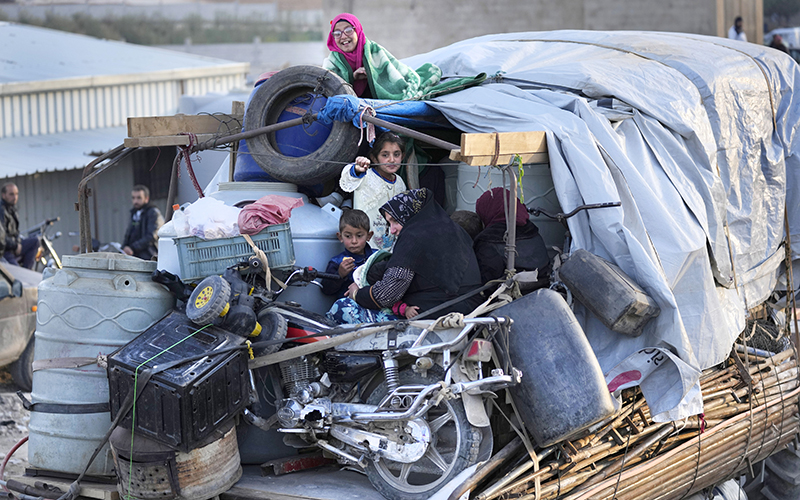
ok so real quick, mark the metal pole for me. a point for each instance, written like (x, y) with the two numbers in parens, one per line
(428, 139)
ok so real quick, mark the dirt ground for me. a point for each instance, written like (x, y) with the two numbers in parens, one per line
(13, 426)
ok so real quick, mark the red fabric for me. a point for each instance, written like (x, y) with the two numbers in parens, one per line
(490, 208)
(266, 211)
(355, 58)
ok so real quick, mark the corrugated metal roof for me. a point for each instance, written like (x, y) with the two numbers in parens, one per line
(64, 151)
(58, 60)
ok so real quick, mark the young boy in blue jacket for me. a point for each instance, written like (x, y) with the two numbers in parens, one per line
(354, 233)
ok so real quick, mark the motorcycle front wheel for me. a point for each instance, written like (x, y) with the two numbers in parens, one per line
(454, 446)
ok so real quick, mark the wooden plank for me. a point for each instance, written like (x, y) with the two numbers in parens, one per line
(510, 143)
(167, 140)
(88, 489)
(503, 160)
(218, 123)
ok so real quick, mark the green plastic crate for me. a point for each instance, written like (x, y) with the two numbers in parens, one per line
(200, 258)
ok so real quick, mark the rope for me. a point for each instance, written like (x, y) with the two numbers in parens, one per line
(697, 464)
(370, 127)
(133, 409)
(622, 465)
(260, 255)
(186, 155)
(451, 320)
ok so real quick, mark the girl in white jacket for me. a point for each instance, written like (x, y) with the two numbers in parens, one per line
(372, 187)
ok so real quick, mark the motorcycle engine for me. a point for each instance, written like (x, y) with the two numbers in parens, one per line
(303, 384)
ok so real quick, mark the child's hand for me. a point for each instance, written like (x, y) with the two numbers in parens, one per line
(352, 290)
(346, 267)
(360, 74)
(411, 311)
(362, 164)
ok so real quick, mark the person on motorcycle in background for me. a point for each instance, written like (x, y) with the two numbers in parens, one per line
(432, 263)
(142, 234)
(16, 250)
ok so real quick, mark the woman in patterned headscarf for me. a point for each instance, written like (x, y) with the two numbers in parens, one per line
(432, 263)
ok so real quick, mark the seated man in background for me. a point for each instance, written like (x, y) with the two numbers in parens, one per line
(16, 250)
(142, 234)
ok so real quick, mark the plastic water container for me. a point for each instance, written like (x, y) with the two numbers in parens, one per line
(97, 303)
(537, 190)
(563, 390)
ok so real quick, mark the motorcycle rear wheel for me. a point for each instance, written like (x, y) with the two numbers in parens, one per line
(454, 446)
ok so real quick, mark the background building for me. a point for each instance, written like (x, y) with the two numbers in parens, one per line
(65, 100)
(408, 27)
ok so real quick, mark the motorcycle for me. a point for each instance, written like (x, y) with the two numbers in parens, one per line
(404, 401)
(46, 255)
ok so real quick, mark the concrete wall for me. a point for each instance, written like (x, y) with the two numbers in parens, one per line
(408, 27)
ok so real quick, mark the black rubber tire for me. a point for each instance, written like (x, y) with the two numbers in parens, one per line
(22, 369)
(267, 103)
(208, 300)
(456, 441)
(273, 327)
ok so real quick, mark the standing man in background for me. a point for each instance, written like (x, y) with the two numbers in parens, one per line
(736, 32)
(142, 234)
(16, 251)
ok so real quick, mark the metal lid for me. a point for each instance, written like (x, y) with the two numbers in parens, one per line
(109, 261)
(262, 187)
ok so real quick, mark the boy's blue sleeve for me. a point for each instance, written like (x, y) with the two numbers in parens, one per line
(338, 286)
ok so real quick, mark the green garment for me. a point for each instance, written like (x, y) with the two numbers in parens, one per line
(388, 78)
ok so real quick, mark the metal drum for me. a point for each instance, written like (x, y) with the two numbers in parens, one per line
(97, 303)
(148, 470)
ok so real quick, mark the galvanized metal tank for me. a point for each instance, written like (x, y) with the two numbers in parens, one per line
(97, 303)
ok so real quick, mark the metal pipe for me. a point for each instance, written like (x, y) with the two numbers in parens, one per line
(248, 134)
(336, 451)
(483, 383)
(511, 220)
(433, 141)
(115, 155)
(388, 416)
(428, 139)
(173, 187)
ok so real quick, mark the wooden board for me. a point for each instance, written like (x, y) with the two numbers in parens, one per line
(510, 143)
(480, 149)
(155, 126)
(166, 140)
(502, 160)
(88, 490)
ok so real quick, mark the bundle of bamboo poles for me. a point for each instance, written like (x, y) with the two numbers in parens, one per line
(751, 412)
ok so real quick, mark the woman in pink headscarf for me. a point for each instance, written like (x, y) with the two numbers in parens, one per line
(369, 68)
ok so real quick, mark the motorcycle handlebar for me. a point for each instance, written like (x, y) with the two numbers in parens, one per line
(309, 274)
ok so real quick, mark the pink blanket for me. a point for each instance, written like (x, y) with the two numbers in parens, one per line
(266, 211)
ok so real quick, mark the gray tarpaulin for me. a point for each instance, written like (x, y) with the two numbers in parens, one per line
(695, 135)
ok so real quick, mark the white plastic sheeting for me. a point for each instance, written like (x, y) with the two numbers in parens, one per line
(700, 146)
